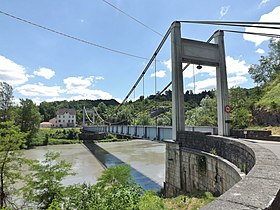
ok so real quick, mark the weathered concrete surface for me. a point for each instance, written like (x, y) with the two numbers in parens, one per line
(258, 190)
(189, 170)
(273, 146)
(260, 187)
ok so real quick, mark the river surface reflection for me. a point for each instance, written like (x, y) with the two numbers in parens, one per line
(147, 159)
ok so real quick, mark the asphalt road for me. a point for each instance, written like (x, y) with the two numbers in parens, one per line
(271, 145)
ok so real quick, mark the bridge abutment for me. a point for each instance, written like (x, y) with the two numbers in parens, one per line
(213, 163)
(189, 170)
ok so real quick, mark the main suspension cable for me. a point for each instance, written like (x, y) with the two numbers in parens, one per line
(147, 66)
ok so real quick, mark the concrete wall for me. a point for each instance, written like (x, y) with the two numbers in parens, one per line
(230, 149)
(259, 189)
(189, 170)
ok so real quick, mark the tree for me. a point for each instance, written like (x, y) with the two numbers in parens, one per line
(47, 110)
(204, 115)
(43, 186)
(11, 140)
(240, 102)
(6, 97)
(143, 119)
(28, 118)
(268, 66)
(115, 189)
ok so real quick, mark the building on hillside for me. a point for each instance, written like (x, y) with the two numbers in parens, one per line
(46, 125)
(53, 121)
(65, 118)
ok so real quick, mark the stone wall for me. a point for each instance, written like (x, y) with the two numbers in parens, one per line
(197, 171)
(259, 189)
(230, 149)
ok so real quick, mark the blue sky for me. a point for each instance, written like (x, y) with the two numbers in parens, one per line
(45, 66)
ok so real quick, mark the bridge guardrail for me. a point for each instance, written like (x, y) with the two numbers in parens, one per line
(147, 132)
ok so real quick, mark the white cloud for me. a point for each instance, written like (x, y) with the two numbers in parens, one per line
(79, 86)
(99, 78)
(118, 100)
(223, 11)
(263, 2)
(192, 70)
(39, 90)
(210, 83)
(159, 74)
(92, 95)
(236, 67)
(260, 51)
(236, 71)
(74, 84)
(12, 73)
(167, 63)
(44, 72)
(272, 16)
(207, 84)
(236, 81)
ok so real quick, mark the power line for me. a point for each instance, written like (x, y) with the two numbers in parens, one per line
(131, 17)
(238, 24)
(72, 37)
(254, 33)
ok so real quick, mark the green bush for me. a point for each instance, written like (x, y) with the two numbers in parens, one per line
(150, 201)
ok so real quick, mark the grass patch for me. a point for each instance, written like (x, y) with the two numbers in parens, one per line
(188, 202)
(63, 141)
(271, 99)
(152, 201)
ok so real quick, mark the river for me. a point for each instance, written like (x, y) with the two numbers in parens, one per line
(146, 158)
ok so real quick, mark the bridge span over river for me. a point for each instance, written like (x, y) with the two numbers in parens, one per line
(159, 133)
(244, 173)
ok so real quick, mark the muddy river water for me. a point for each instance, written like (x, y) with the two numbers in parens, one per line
(146, 158)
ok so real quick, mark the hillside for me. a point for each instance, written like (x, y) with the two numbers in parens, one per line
(48, 109)
(271, 98)
(266, 111)
(258, 106)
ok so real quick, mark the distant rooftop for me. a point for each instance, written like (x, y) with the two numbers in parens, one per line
(63, 111)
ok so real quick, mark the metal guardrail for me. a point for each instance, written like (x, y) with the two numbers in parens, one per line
(159, 133)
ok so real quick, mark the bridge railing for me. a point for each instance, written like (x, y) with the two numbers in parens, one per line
(147, 132)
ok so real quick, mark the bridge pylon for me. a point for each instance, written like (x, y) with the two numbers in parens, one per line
(200, 53)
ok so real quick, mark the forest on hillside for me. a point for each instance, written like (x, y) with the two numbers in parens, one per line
(255, 106)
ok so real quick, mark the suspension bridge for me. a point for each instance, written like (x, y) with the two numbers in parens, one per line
(244, 174)
(229, 168)
(185, 52)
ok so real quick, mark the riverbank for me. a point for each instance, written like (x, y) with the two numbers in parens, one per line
(57, 136)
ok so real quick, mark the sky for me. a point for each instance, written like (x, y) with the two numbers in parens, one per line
(46, 66)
